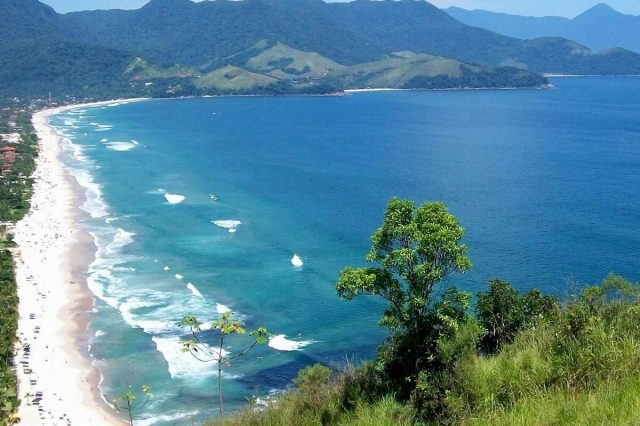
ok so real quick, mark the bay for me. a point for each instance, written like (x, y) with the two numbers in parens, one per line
(546, 183)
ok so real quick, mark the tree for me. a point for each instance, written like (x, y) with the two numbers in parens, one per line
(126, 401)
(414, 249)
(225, 326)
(504, 313)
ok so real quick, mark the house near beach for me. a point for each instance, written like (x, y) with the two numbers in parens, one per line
(8, 156)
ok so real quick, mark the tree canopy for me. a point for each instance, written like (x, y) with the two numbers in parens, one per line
(414, 249)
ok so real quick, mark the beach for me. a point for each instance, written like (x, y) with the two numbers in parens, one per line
(58, 385)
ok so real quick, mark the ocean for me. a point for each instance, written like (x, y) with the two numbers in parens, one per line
(198, 206)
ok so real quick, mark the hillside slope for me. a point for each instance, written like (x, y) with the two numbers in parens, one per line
(347, 33)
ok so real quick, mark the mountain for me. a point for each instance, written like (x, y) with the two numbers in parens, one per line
(37, 58)
(180, 47)
(347, 33)
(179, 31)
(421, 27)
(408, 70)
(600, 27)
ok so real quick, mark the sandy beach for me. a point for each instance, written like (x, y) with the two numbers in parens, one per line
(58, 384)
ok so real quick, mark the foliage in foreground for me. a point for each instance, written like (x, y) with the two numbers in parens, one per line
(580, 364)
(446, 362)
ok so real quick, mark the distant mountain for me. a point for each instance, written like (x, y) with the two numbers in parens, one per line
(421, 27)
(179, 47)
(600, 27)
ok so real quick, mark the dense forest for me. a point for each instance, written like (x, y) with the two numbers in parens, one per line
(97, 55)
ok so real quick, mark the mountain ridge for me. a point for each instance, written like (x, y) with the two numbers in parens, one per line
(180, 48)
(600, 27)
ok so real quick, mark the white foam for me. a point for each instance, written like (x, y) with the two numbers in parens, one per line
(121, 146)
(165, 418)
(181, 364)
(194, 290)
(121, 239)
(166, 268)
(231, 225)
(104, 140)
(296, 261)
(179, 277)
(174, 198)
(221, 309)
(94, 203)
(281, 343)
(99, 333)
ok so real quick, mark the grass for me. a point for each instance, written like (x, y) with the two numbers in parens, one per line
(292, 62)
(233, 79)
(579, 367)
(610, 403)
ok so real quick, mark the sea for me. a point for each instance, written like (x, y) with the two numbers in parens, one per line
(254, 205)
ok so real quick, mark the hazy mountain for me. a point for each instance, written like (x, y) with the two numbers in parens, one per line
(178, 47)
(421, 27)
(180, 31)
(600, 27)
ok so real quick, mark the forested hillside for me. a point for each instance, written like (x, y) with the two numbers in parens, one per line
(181, 48)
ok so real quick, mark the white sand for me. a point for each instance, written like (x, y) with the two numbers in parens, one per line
(54, 300)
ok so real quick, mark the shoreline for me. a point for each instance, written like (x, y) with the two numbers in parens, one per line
(57, 380)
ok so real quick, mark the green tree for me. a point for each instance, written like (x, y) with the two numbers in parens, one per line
(224, 327)
(127, 401)
(414, 249)
(504, 313)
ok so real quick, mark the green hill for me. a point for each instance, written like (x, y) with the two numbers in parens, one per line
(139, 69)
(234, 80)
(282, 61)
(276, 46)
(407, 70)
(347, 33)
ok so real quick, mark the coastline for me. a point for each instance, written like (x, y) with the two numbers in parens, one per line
(54, 367)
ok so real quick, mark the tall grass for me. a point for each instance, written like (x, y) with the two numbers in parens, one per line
(587, 353)
(579, 366)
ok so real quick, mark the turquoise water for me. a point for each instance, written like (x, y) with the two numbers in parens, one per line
(546, 182)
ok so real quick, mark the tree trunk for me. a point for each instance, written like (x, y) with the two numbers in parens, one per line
(220, 403)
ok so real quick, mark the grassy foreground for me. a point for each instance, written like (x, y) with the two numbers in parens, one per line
(578, 365)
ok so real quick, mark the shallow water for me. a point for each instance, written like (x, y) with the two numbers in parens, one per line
(546, 182)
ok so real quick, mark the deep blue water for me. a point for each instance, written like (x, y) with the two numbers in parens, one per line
(546, 183)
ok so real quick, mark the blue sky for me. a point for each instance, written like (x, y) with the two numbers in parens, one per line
(569, 8)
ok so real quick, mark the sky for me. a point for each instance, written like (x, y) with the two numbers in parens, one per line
(568, 8)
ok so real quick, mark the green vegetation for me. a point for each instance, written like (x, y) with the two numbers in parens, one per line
(507, 359)
(285, 61)
(15, 191)
(127, 401)
(283, 47)
(8, 327)
(16, 183)
(407, 70)
(234, 80)
(224, 327)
